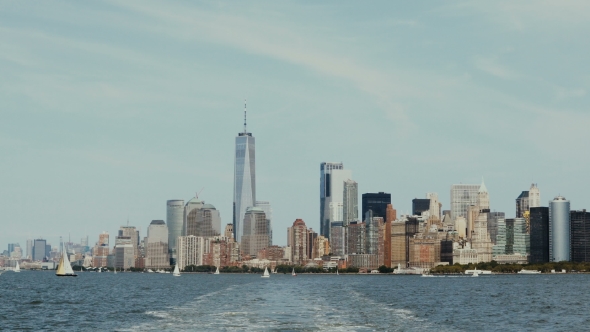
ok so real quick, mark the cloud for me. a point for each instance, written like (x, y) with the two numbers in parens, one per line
(564, 93)
(492, 67)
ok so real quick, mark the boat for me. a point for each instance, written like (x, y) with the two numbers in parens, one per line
(64, 269)
(523, 271)
(475, 273)
(478, 271)
(176, 271)
(337, 272)
(217, 271)
(150, 271)
(17, 268)
(115, 271)
(265, 274)
(293, 273)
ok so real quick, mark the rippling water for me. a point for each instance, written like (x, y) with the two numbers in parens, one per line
(138, 302)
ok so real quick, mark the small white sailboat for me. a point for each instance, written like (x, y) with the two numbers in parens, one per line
(64, 269)
(176, 271)
(293, 273)
(17, 268)
(475, 273)
(337, 272)
(265, 274)
(115, 271)
(217, 271)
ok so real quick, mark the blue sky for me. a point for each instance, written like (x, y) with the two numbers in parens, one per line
(108, 109)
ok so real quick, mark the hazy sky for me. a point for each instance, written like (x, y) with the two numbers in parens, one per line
(108, 109)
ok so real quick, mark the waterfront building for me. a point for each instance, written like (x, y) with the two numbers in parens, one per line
(559, 229)
(311, 236)
(420, 205)
(480, 238)
(464, 254)
(191, 250)
(338, 240)
(512, 238)
(332, 181)
(156, 246)
(350, 204)
(363, 261)
(40, 251)
(100, 252)
(298, 242)
(124, 253)
(493, 218)
(204, 221)
(435, 206)
(256, 233)
(580, 236)
(539, 234)
(220, 252)
(265, 206)
(175, 223)
(424, 252)
(272, 253)
(390, 216)
(463, 196)
(244, 178)
(376, 202)
(189, 219)
(356, 238)
(373, 225)
(321, 247)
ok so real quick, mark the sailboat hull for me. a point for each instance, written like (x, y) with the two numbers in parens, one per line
(66, 275)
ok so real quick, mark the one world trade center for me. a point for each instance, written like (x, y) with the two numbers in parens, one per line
(244, 178)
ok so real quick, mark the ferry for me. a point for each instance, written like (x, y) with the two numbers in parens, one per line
(478, 271)
(523, 271)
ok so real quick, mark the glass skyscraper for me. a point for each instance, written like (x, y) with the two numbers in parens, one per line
(174, 220)
(332, 178)
(559, 229)
(244, 178)
(462, 196)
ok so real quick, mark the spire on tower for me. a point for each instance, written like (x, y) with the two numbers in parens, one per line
(245, 131)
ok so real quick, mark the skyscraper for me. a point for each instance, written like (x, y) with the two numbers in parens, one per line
(376, 202)
(539, 231)
(559, 229)
(174, 220)
(332, 178)
(190, 216)
(255, 235)
(39, 250)
(265, 206)
(462, 196)
(244, 178)
(420, 205)
(157, 256)
(298, 242)
(350, 204)
(580, 228)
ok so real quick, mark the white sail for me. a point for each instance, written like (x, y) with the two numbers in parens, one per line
(293, 272)
(266, 274)
(176, 271)
(217, 271)
(17, 268)
(65, 268)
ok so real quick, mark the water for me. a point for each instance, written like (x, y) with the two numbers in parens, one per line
(35, 300)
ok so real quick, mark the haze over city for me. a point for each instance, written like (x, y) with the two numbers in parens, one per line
(110, 109)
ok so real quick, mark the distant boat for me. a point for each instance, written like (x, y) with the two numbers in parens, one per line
(64, 269)
(217, 271)
(150, 271)
(115, 271)
(523, 271)
(293, 273)
(176, 271)
(337, 272)
(266, 274)
(475, 274)
(17, 268)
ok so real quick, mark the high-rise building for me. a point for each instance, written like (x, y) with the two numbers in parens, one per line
(512, 238)
(559, 229)
(580, 230)
(539, 234)
(133, 234)
(124, 252)
(256, 232)
(338, 240)
(534, 196)
(478, 231)
(420, 205)
(190, 216)
(376, 202)
(229, 231)
(298, 242)
(204, 221)
(332, 179)
(374, 224)
(265, 206)
(157, 255)
(244, 178)
(350, 204)
(39, 250)
(321, 247)
(191, 250)
(100, 252)
(493, 218)
(30, 248)
(522, 204)
(462, 196)
(435, 206)
(175, 221)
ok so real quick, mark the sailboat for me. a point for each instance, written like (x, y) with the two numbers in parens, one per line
(266, 274)
(64, 269)
(337, 272)
(17, 268)
(217, 271)
(115, 271)
(293, 273)
(176, 271)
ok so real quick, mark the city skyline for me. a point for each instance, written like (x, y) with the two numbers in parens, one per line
(106, 117)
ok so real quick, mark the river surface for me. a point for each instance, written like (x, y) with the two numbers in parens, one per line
(38, 300)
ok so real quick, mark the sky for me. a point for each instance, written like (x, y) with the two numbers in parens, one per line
(108, 109)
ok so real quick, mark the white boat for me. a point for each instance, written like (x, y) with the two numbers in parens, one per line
(17, 268)
(266, 274)
(217, 271)
(150, 271)
(115, 271)
(176, 271)
(523, 271)
(293, 273)
(337, 272)
(478, 271)
(64, 269)
(475, 273)
(427, 275)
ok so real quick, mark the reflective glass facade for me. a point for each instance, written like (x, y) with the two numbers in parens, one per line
(580, 228)
(376, 202)
(559, 229)
(174, 220)
(463, 196)
(244, 180)
(539, 232)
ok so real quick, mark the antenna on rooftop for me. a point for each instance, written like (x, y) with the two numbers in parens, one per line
(245, 131)
(197, 194)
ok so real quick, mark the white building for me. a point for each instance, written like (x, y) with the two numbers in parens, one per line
(190, 250)
(156, 246)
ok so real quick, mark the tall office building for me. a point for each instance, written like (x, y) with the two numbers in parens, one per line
(297, 241)
(539, 234)
(157, 256)
(203, 221)
(244, 178)
(420, 205)
(522, 204)
(376, 202)
(39, 250)
(100, 252)
(256, 232)
(350, 202)
(191, 250)
(580, 230)
(478, 231)
(462, 196)
(124, 252)
(190, 216)
(133, 234)
(175, 221)
(265, 206)
(512, 238)
(332, 178)
(559, 229)
(534, 196)
(29, 248)
(493, 218)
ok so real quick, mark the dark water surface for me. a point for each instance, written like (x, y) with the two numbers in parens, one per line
(35, 300)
